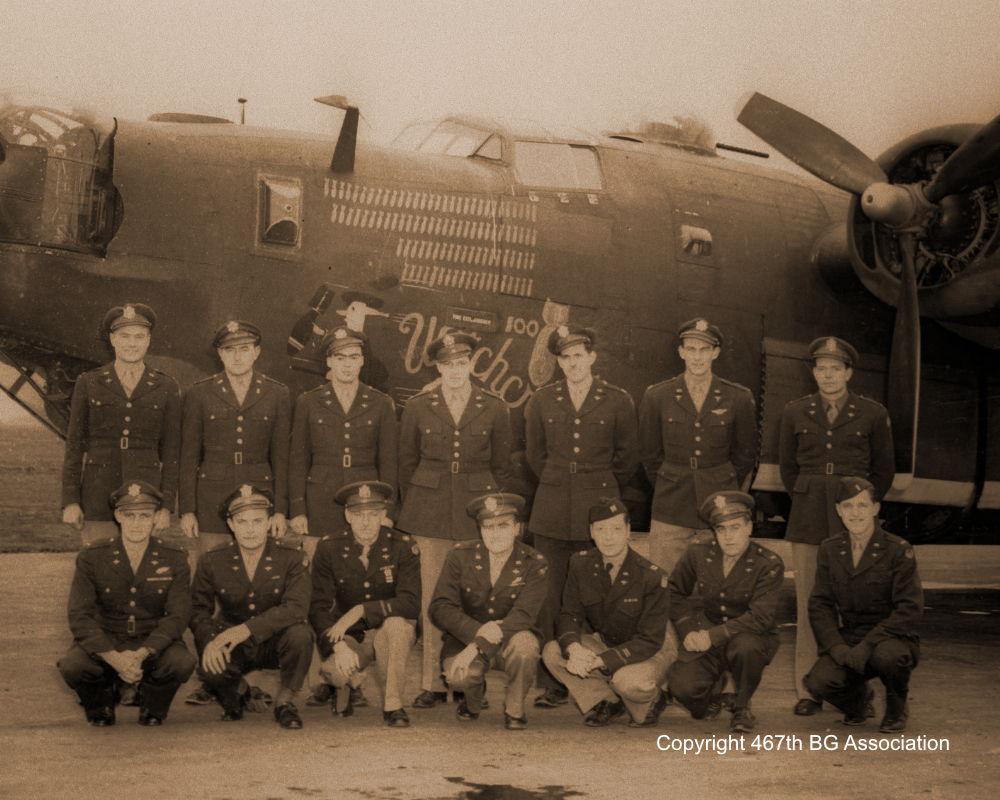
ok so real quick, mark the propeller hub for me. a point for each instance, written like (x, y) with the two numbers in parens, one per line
(891, 205)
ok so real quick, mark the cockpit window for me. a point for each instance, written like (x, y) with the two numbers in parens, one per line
(447, 138)
(557, 166)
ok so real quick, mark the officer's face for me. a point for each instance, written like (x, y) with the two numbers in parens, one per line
(858, 513)
(697, 356)
(610, 535)
(831, 376)
(499, 533)
(365, 524)
(250, 526)
(734, 535)
(238, 359)
(136, 523)
(576, 362)
(130, 343)
(345, 365)
(455, 373)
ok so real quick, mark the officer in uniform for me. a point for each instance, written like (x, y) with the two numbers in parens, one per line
(824, 437)
(124, 426)
(698, 436)
(128, 607)
(366, 599)
(723, 600)
(864, 609)
(610, 633)
(581, 442)
(262, 587)
(235, 431)
(454, 445)
(344, 432)
(487, 603)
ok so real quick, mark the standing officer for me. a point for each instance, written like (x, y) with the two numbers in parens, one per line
(262, 587)
(611, 630)
(723, 600)
(454, 445)
(235, 431)
(365, 599)
(581, 442)
(128, 607)
(487, 603)
(863, 609)
(344, 432)
(698, 436)
(825, 436)
(125, 419)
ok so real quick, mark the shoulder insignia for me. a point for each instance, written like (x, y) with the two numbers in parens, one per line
(909, 552)
(414, 549)
(662, 383)
(169, 545)
(209, 379)
(316, 390)
(375, 391)
(101, 543)
(664, 581)
(735, 385)
(220, 547)
(616, 388)
(305, 559)
(797, 400)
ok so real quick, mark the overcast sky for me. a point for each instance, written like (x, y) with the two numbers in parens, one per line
(873, 70)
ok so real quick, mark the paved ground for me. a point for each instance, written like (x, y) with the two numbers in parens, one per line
(49, 751)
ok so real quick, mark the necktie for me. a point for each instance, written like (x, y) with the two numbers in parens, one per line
(609, 569)
(831, 413)
(364, 555)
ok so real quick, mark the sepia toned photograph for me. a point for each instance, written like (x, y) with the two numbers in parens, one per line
(439, 400)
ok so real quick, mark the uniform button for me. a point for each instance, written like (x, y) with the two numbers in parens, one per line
(725, 619)
(367, 585)
(239, 441)
(576, 449)
(368, 597)
(722, 594)
(697, 452)
(125, 432)
(347, 424)
(576, 436)
(456, 455)
(576, 422)
(490, 610)
(697, 424)
(722, 608)
(829, 446)
(239, 418)
(239, 430)
(347, 449)
(347, 436)
(457, 433)
(128, 419)
(458, 444)
(128, 405)
(251, 606)
(133, 590)
(251, 594)
(829, 433)
(697, 438)
(132, 602)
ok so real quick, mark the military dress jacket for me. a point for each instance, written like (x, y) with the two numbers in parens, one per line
(464, 600)
(443, 466)
(578, 456)
(124, 439)
(108, 603)
(225, 444)
(745, 601)
(631, 615)
(814, 455)
(276, 598)
(882, 598)
(689, 455)
(331, 448)
(388, 587)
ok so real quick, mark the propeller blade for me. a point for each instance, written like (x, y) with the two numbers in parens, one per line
(973, 164)
(903, 390)
(812, 146)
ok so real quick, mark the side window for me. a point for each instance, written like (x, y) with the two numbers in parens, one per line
(694, 245)
(557, 166)
(281, 212)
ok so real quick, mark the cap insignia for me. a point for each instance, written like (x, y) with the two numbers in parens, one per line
(449, 341)
(365, 492)
(232, 326)
(720, 501)
(563, 331)
(613, 507)
(490, 504)
(129, 312)
(831, 345)
(701, 325)
(246, 490)
(133, 490)
(340, 333)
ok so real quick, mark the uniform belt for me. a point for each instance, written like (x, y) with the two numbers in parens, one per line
(456, 466)
(230, 457)
(574, 467)
(124, 443)
(130, 626)
(697, 463)
(346, 460)
(829, 468)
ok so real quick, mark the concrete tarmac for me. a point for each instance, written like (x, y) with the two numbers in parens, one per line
(50, 752)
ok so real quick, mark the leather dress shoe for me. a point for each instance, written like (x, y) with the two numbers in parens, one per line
(464, 714)
(148, 718)
(358, 699)
(396, 718)
(743, 721)
(895, 724)
(725, 701)
(551, 698)
(430, 699)
(322, 694)
(806, 707)
(102, 717)
(288, 716)
(199, 697)
(854, 719)
(232, 714)
(514, 723)
(653, 715)
(604, 714)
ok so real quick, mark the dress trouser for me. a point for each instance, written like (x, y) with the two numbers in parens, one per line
(804, 565)
(388, 646)
(517, 657)
(636, 684)
(432, 555)
(891, 661)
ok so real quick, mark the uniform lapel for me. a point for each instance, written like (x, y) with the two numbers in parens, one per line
(874, 552)
(151, 562)
(440, 407)
(628, 573)
(475, 407)
(817, 412)
(119, 560)
(683, 397)
(713, 562)
(362, 402)
(743, 567)
(349, 555)
(256, 391)
(595, 397)
(223, 389)
(481, 566)
(111, 382)
(713, 400)
(563, 400)
(265, 567)
(330, 403)
(848, 413)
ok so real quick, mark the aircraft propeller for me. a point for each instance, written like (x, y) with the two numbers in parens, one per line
(909, 210)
